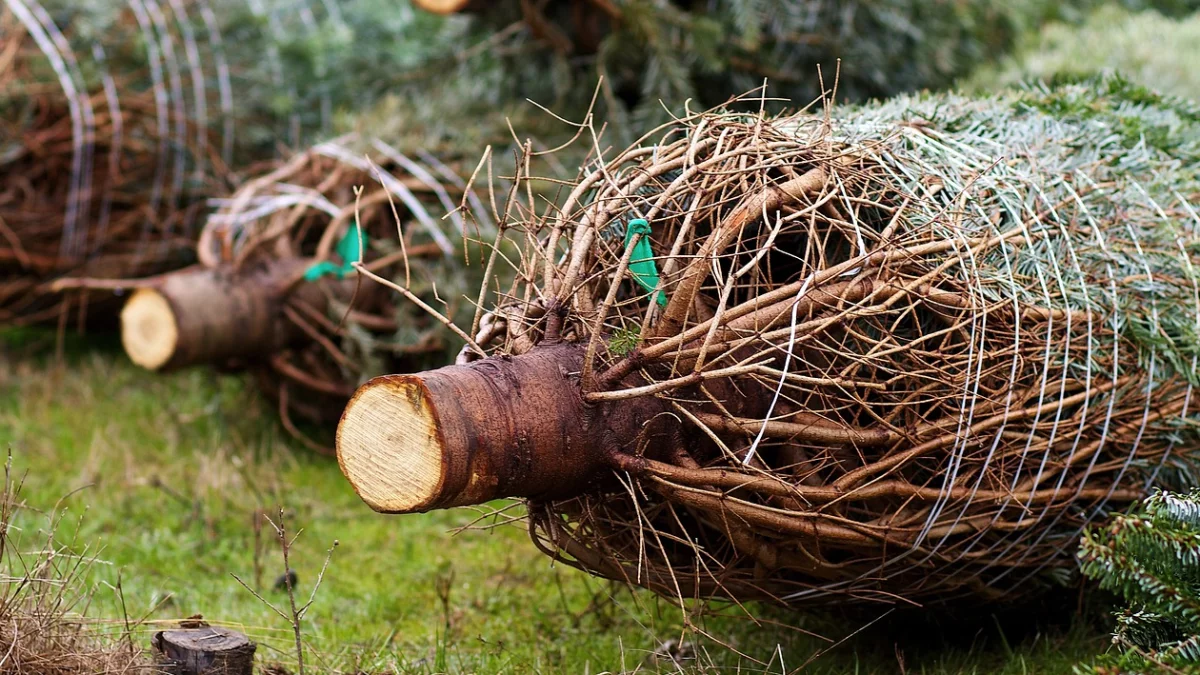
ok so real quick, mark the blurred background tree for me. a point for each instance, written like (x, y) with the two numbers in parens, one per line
(1157, 50)
(654, 52)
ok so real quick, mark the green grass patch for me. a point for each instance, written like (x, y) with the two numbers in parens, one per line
(163, 477)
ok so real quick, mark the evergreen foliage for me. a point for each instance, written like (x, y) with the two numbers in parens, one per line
(1157, 50)
(711, 50)
(1112, 153)
(1151, 559)
(285, 71)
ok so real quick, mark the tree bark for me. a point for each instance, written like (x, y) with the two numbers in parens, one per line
(213, 315)
(500, 427)
(203, 651)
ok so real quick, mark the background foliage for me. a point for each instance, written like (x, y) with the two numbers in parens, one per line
(1153, 49)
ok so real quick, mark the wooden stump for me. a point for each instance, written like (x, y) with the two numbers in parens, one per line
(203, 651)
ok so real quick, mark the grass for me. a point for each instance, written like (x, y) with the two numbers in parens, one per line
(164, 478)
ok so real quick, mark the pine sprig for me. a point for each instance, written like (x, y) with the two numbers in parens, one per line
(1151, 558)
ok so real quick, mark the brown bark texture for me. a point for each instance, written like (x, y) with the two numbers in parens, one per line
(214, 315)
(502, 427)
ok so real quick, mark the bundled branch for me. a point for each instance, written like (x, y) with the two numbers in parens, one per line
(1150, 558)
(903, 352)
(276, 288)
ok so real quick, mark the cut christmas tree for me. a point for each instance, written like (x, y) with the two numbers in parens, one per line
(276, 291)
(906, 351)
(119, 118)
(93, 168)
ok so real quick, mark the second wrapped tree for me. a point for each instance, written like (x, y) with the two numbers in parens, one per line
(908, 350)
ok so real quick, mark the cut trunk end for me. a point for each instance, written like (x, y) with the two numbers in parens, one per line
(203, 651)
(210, 315)
(501, 427)
(149, 332)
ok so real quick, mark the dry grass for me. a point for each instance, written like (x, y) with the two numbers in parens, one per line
(45, 595)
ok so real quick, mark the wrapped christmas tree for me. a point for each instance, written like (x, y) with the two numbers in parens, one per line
(120, 117)
(276, 291)
(93, 169)
(904, 351)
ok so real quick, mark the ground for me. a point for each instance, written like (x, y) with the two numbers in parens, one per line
(162, 480)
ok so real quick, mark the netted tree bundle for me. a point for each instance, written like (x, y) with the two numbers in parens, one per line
(900, 352)
(277, 291)
(654, 51)
(118, 118)
(92, 169)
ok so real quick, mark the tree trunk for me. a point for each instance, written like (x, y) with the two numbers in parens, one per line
(500, 427)
(213, 315)
(203, 651)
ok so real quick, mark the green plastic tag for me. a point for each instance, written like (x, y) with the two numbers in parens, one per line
(348, 249)
(641, 261)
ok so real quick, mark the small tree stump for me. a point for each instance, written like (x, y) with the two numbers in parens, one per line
(203, 651)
